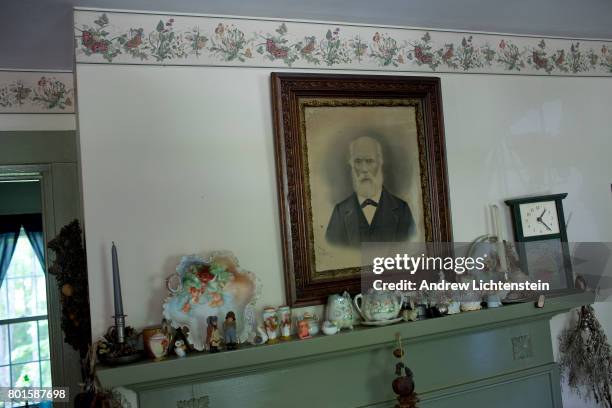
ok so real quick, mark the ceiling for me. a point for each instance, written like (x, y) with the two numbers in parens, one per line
(37, 34)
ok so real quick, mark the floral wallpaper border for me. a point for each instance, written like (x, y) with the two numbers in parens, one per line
(36, 92)
(137, 38)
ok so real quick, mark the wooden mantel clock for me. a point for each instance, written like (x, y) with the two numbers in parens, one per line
(539, 229)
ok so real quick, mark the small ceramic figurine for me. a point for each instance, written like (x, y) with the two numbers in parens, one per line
(229, 331)
(180, 348)
(453, 307)
(213, 338)
(284, 315)
(410, 315)
(540, 302)
(270, 320)
(179, 334)
(261, 337)
(303, 329)
(421, 310)
(313, 323)
(442, 308)
(329, 328)
(493, 300)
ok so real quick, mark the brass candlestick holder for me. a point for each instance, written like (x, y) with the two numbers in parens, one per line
(119, 345)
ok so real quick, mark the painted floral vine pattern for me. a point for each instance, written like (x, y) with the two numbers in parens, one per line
(28, 92)
(215, 41)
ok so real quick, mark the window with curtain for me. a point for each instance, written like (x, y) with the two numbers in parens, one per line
(24, 334)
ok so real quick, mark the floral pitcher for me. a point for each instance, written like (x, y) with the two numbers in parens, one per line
(340, 311)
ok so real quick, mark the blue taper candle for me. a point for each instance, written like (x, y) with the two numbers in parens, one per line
(117, 284)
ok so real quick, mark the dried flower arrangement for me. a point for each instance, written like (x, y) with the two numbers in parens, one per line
(586, 359)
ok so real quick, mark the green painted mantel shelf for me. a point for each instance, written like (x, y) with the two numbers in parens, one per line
(514, 329)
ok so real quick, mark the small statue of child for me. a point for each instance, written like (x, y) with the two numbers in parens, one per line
(229, 331)
(213, 338)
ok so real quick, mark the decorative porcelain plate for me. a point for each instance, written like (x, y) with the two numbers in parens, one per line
(211, 286)
(381, 322)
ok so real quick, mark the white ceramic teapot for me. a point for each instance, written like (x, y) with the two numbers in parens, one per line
(378, 305)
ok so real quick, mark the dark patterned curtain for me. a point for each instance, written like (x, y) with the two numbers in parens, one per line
(10, 226)
(9, 233)
(32, 224)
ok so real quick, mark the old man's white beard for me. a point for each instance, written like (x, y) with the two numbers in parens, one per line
(366, 186)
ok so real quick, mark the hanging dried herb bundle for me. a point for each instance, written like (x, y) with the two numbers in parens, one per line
(70, 270)
(586, 360)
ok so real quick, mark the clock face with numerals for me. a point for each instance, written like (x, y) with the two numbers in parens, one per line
(540, 232)
(539, 218)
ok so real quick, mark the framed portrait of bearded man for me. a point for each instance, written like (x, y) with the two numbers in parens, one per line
(360, 159)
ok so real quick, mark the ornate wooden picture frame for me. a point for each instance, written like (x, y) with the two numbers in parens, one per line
(341, 140)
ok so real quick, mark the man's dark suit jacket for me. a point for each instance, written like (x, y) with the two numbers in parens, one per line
(392, 222)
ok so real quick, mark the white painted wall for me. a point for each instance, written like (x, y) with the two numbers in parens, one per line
(178, 160)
